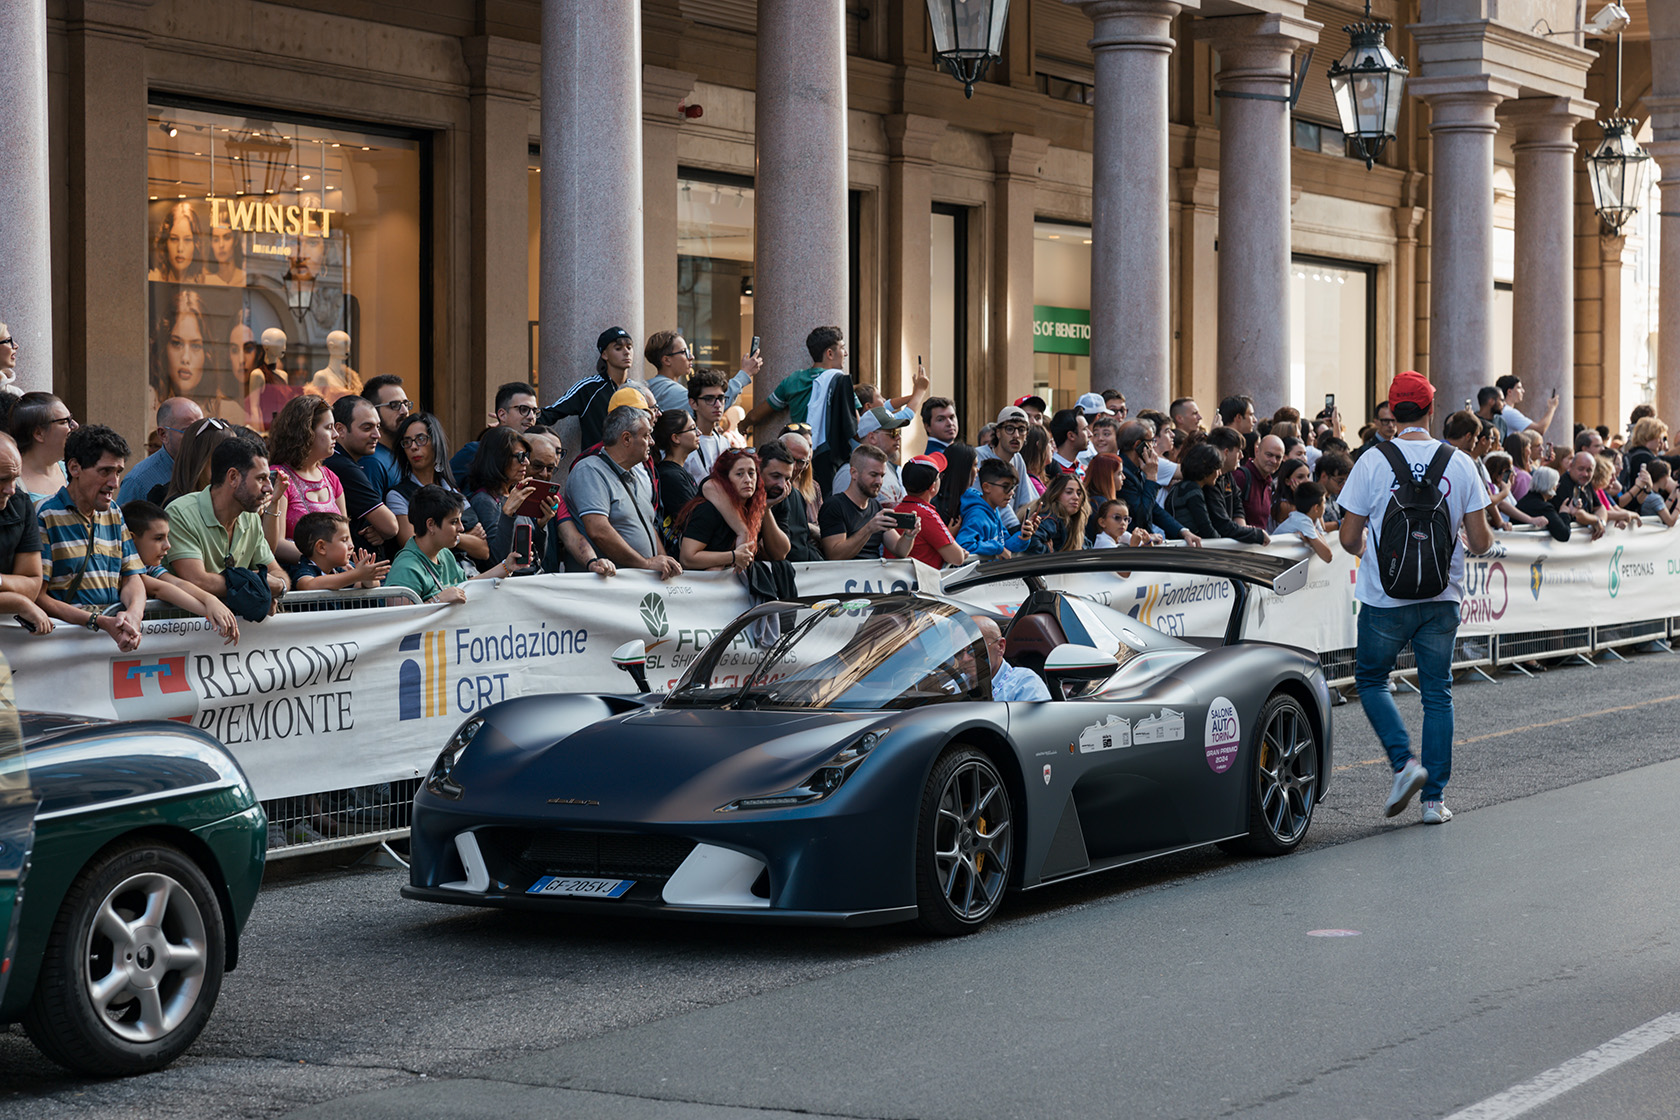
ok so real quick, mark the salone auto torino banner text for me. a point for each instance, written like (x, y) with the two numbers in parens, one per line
(322, 700)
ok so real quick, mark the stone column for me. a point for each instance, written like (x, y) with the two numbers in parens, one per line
(662, 91)
(1007, 373)
(26, 281)
(1543, 291)
(591, 183)
(1667, 154)
(1462, 127)
(1256, 74)
(1131, 303)
(1197, 326)
(105, 44)
(909, 303)
(802, 268)
(504, 76)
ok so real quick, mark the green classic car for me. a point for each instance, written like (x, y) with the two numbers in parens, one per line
(130, 858)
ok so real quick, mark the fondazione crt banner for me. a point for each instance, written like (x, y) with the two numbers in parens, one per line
(321, 700)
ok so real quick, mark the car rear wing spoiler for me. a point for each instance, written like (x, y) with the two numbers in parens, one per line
(1242, 567)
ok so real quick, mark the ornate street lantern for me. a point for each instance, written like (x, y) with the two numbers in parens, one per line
(967, 36)
(262, 155)
(1368, 83)
(1619, 169)
(300, 286)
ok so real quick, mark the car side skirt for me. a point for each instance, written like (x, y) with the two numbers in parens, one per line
(1128, 860)
(848, 919)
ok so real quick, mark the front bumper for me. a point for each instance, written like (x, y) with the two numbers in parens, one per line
(852, 919)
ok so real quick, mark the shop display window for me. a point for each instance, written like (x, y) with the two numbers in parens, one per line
(283, 259)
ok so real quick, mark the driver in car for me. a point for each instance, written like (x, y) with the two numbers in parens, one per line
(1009, 682)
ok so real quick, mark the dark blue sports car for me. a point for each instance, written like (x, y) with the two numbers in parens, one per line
(845, 762)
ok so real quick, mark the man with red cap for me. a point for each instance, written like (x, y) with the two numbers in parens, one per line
(934, 545)
(1403, 509)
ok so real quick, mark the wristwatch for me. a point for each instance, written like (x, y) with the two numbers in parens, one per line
(92, 622)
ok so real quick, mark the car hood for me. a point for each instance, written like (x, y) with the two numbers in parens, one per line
(656, 764)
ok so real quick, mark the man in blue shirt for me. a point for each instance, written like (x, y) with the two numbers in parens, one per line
(1139, 458)
(174, 417)
(390, 401)
(1009, 682)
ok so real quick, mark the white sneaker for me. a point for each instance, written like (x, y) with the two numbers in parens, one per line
(1407, 781)
(1436, 812)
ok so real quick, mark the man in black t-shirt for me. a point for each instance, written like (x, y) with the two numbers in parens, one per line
(20, 544)
(853, 524)
(787, 504)
(356, 429)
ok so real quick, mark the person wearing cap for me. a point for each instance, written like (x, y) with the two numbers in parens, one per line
(1387, 624)
(708, 396)
(853, 524)
(935, 546)
(587, 399)
(1070, 436)
(1009, 435)
(939, 420)
(882, 428)
(1035, 408)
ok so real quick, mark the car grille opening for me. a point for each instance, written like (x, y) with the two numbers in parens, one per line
(603, 855)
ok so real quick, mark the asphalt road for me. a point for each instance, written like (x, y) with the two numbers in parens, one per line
(1534, 928)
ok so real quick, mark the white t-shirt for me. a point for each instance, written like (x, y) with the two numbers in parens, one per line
(1366, 495)
(1514, 420)
(1298, 522)
(1105, 541)
(700, 460)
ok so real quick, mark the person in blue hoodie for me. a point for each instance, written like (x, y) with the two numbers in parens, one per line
(982, 532)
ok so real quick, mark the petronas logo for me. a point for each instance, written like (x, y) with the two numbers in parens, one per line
(653, 615)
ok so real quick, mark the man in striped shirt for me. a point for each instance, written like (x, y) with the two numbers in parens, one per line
(89, 557)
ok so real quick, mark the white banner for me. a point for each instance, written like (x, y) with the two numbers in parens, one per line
(321, 700)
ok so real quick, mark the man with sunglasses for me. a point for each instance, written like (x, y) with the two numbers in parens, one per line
(390, 401)
(673, 362)
(516, 408)
(174, 417)
(1139, 458)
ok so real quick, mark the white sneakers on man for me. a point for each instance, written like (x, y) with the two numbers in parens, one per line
(1407, 781)
(1436, 812)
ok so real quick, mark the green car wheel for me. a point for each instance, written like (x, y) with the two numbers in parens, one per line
(133, 965)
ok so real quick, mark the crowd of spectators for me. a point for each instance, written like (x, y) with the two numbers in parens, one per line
(363, 491)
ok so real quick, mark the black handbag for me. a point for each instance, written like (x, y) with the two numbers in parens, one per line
(248, 593)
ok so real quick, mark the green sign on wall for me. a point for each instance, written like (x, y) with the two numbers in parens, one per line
(1061, 330)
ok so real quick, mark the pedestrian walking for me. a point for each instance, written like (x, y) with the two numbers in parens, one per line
(1403, 509)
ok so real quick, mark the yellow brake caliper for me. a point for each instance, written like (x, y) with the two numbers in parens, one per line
(980, 857)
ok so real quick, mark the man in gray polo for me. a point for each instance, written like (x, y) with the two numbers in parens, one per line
(612, 498)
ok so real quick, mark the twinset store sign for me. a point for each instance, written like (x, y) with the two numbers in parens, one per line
(1061, 330)
(252, 215)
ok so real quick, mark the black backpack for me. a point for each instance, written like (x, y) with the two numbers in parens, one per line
(1416, 539)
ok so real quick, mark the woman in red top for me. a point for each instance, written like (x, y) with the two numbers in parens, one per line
(934, 545)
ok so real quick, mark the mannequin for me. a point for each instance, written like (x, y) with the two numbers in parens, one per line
(269, 371)
(337, 378)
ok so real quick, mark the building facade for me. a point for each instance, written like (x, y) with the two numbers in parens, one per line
(471, 190)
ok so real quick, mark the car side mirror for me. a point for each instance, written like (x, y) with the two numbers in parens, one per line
(632, 658)
(1074, 670)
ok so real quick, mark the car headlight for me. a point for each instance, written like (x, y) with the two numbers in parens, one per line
(441, 781)
(823, 781)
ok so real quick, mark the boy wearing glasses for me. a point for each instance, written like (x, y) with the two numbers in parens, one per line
(708, 396)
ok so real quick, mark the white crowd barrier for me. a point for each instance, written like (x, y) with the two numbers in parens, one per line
(315, 701)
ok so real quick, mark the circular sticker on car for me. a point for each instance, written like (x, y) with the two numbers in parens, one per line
(1224, 734)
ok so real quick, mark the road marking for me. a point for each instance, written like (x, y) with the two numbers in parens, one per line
(1575, 1072)
(1529, 727)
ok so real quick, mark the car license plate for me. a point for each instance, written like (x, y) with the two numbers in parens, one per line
(581, 888)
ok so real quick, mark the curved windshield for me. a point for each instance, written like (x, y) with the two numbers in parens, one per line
(858, 655)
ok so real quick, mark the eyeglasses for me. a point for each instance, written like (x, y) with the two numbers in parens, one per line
(421, 440)
(69, 422)
(8, 342)
(713, 398)
(690, 428)
(525, 409)
(210, 424)
(1016, 428)
(801, 464)
(683, 353)
(522, 456)
(401, 406)
(542, 468)
(1386, 423)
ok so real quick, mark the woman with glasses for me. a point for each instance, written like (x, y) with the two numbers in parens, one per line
(423, 460)
(497, 485)
(299, 443)
(8, 361)
(40, 423)
(675, 437)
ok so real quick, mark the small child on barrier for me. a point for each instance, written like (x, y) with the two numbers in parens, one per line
(1300, 511)
(329, 562)
(148, 524)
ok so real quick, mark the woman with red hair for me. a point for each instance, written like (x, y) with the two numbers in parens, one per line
(1102, 483)
(708, 543)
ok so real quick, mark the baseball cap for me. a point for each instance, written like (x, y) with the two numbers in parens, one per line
(627, 396)
(1022, 402)
(1411, 387)
(610, 336)
(1011, 412)
(933, 459)
(1091, 403)
(879, 419)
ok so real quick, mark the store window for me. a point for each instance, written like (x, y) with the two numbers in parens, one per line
(1061, 313)
(283, 258)
(1331, 346)
(947, 357)
(715, 267)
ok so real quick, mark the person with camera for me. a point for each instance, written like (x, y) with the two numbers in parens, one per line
(852, 523)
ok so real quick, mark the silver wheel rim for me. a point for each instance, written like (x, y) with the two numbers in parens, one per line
(145, 957)
(972, 841)
(1288, 775)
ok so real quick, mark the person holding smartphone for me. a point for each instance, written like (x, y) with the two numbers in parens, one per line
(1510, 419)
(853, 524)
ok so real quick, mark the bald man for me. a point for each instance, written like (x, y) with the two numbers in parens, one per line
(1008, 681)
(1254, 482)
(20, 545)
(1575, 497)
(174, 417)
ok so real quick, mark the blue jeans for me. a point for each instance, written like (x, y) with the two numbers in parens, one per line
(1383, 633)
